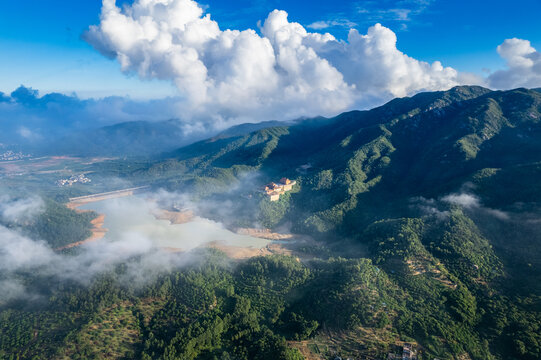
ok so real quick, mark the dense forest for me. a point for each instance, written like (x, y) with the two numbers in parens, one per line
(55, 223)
(424, 215)
(263, 308)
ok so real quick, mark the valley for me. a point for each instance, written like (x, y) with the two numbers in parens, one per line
(270, 180)
(169, 229)
(412, 223)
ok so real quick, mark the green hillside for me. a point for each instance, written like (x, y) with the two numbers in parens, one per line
(425, 219)
(378, 180)
(366, 162)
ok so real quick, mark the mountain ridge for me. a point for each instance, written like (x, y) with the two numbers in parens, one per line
(416, 222)
(439, 190)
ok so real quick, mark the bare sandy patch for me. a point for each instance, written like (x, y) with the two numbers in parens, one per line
(237, 252)
(264, 234)
(175, 217)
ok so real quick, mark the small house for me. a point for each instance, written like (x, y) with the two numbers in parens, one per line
(287, 184)
(272, 187)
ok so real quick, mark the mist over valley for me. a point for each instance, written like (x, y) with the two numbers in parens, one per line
(344, 180)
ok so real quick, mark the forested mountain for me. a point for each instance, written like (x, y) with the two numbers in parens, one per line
(425, 214)
(427, 145)
(441, 190)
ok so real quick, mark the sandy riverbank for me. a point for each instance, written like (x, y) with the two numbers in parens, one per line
(264, 234)
(98, 232)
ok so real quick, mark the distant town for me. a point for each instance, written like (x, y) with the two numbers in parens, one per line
(72, 180)
(11, 156)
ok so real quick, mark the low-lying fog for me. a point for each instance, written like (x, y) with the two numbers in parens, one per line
(136, 214)
(135, 237)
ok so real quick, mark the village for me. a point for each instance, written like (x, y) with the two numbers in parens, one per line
(274, 190)
(12, 156)
(81, 178)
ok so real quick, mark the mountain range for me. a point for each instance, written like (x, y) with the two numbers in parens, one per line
(441, 190)
(421, 222)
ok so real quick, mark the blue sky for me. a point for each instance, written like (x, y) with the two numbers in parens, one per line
(41, 47)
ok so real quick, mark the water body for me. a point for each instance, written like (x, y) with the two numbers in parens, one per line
(134, 216)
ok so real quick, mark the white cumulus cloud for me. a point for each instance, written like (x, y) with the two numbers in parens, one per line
(374, 65)
(523, 66)
(281, 71)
